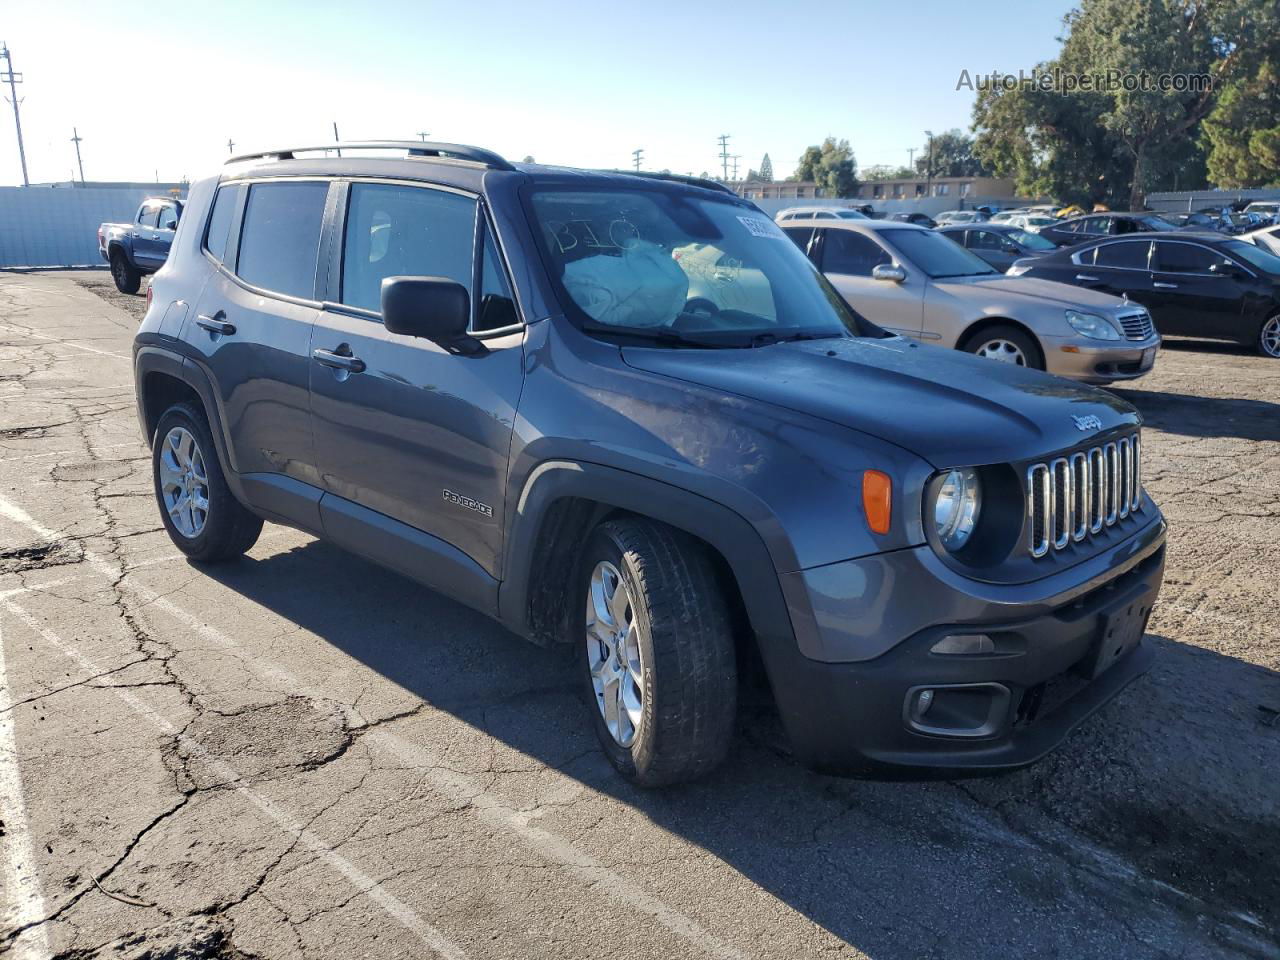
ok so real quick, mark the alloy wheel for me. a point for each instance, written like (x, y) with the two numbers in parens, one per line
(1269, 339)
(1003, 350)
(184, 482)
(613, 654)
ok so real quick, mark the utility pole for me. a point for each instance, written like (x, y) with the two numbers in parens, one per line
(231, 147)
(336, 138)
(637, 155)
(911, 158)
(736, 157)
(13, 79)
(424, 134)
(724, 155)
(76, 138)
(928, 189)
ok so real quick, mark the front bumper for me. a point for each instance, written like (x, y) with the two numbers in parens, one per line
(1099, 361)
(1061, 654)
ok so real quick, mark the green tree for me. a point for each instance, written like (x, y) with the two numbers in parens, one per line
(766, 169)
(831, 166)
(1242, 134)
(953, 156)
(886, 171)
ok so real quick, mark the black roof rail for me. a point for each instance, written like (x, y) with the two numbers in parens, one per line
(414, 148)
(678, 178)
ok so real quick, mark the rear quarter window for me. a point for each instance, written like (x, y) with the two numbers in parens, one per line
(224, 208)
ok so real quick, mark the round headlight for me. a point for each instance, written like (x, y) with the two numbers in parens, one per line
(956, 507)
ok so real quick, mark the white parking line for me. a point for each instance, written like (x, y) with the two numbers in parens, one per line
(66, 343)
(456, 786)
(24, 902)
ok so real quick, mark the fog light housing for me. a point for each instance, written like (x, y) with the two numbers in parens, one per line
(964, 644)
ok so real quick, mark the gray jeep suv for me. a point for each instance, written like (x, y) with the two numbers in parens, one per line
(537, 390)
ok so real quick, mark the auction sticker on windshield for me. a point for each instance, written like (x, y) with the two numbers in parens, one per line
(762, 228)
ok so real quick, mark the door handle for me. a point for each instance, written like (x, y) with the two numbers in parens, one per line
(338, 361)
(216, 324)
(1086, 278)
(1164, 286)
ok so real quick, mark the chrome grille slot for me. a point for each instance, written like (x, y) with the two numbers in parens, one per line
(1080, 496)
(1137, 325)
(1038, 508)
(1074, 497)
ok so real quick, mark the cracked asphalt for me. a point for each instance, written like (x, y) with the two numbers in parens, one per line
(302, 755)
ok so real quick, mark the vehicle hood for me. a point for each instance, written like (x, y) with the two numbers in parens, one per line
(1029, 289)
(951, 408)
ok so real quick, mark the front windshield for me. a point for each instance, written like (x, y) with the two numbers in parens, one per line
(1255, 255)
(1032, 241)
(933, 253)
(1158, 223)
(675, 267)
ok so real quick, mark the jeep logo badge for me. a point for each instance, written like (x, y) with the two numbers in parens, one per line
(1087, 423)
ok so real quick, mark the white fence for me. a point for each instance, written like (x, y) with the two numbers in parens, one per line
(58, 227)
(1187, 201)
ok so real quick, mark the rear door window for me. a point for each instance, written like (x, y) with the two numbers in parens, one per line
(1130, 255)
(395, 230)
(851, 253)
(984, 240)
(148, 216)
(280, 239)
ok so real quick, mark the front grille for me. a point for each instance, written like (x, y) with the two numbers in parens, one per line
(1078, 496)
(1137, 325)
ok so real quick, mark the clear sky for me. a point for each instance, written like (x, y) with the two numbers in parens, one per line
(162, 86)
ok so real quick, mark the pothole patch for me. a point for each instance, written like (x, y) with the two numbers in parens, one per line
(91, 470)
(258, 743)
(190, 938)
(55, 553)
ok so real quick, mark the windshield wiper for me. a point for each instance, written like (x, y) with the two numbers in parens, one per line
(663, 335)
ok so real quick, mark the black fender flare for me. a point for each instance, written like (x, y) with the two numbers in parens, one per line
(725, 530)
(150, 358)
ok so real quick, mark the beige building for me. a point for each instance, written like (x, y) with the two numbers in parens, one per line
(954, 188)
(777, 189)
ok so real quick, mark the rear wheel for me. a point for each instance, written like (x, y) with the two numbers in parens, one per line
(127, 277)
(659, 664)
(1269, 338)
(202, 516)
(1007, 344)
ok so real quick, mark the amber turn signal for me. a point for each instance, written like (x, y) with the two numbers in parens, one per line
(877, 499)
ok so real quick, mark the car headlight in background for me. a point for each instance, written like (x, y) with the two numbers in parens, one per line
(956, 506)
(1092, 326)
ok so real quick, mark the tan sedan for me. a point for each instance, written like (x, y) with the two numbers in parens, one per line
(920, 284)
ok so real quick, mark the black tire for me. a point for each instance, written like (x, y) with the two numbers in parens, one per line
(127, 277)
(228, 529)
(686, 652)
(1007, 333)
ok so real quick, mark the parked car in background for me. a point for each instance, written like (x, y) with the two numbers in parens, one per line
(1268, 238)
(1200, 222)
(920, 284)
(1004, 216)
(1031, 222)
(919, 219)
(960, 216)
(819, 213)
(1096, 225)
(141, 247)
(483, 376)
(999, 244)
(1194, 285)
(1270, 209)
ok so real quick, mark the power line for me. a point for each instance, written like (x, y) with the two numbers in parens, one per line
(13, 79)
(637, 155)
(724, 155)
(76, 138)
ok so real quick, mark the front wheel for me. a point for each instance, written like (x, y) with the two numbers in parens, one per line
(1007, 344)
(201, 514)
(126, 276)
(659, 666)
(1269, 338)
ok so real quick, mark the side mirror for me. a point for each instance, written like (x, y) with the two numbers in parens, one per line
(888, 271)
(171, 225)
(1225, 269)
(433, 308)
